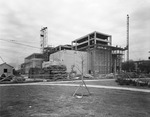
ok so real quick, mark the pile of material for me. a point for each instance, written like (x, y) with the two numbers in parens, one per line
(57, 72)
(53, 72)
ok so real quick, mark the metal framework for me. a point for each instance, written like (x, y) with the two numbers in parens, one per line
(104, 58)
(44, 38)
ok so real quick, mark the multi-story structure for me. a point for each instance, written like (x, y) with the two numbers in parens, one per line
(32, 61)
(95, 49)
(49, 50)
(101, 57)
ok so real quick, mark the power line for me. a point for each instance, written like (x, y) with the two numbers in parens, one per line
(13, 41)
(2, 59)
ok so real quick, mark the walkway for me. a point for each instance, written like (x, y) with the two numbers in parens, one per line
(59, 83)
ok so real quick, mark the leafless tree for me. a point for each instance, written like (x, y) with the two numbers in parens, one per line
(83, 84)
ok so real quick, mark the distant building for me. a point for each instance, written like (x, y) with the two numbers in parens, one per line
(49, 50)
(100, 57)
(33, 61)
(6, 69)
(103, 58)
(142, 66)
(95, 49)
(71, 59)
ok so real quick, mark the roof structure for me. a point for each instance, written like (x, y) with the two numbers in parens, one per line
(6, 64)
(35, 55)
(102, 35)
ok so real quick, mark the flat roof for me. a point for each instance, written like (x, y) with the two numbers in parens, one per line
(102, 34)
(33, 55)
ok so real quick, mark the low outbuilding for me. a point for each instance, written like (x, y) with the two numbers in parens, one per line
(6, 69)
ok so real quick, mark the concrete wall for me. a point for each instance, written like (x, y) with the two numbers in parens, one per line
(103, 61)
(100, 61)
(37, 63)
(96, 61)
(33, 63)
(9, 69)
(70, 58)
(49, 63)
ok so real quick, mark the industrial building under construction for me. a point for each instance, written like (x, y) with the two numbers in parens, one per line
(94, 52)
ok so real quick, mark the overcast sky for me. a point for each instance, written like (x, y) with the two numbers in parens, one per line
(67, 20)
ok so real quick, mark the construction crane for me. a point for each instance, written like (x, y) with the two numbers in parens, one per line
(44, 38)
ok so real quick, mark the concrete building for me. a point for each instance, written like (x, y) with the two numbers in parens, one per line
(95, 49)
(103, 57)
(49, 50)
(71, 59)
(32, 61)
(6, 69)
(100, 57)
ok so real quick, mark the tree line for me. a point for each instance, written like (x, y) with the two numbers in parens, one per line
(136, 66)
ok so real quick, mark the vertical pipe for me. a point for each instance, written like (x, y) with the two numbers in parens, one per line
(76, 45)
(110, 40)
(128, 41)
(59, 48)
(115, 61)
(72, 45)
(88, 40)
(95, 37)
(127, 37)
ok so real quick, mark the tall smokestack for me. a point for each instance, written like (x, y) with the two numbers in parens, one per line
(127, 37)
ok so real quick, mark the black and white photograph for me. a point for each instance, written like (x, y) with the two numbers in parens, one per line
(74, 58)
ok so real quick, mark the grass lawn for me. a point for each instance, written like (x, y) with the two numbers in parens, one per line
(57, 101)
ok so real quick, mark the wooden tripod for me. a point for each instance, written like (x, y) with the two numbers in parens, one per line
(82, 85)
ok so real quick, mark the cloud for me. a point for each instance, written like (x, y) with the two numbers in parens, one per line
(141, 18)
(17, 26)
(139, 32)
(68, 20)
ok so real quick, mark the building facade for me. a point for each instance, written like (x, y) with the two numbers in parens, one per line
(95, 49)
(103, 58)
(72, 60)
(35, 60)
(92, 53)
(6, 69)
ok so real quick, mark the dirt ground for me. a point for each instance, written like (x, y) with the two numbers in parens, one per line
(57, 101)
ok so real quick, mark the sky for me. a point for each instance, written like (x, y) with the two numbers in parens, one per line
(67, 20)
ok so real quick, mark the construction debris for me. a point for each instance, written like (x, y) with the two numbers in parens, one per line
(12, 79)
(53, 72)
(56, 72)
